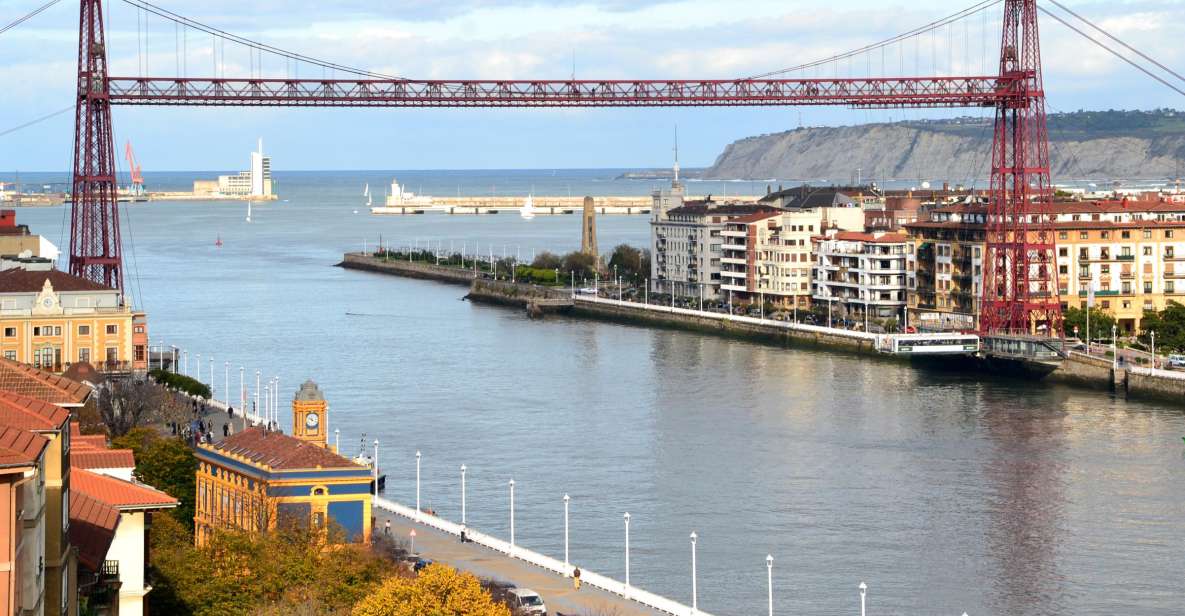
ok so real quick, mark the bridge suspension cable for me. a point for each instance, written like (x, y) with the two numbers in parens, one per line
(1113, 51)
(27, 16)
(250, 43)
(929, 27)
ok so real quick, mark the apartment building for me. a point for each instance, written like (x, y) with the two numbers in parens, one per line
(1131, 252)
(687, 245)
(766, 256)
(862, 275)
(944, 268)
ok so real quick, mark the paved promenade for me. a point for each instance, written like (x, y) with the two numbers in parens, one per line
(556, 591)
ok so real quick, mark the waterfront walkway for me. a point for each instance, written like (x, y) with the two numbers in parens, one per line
(557, 591)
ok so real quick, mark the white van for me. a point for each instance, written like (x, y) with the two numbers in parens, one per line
(1177, 361)
(527, 601)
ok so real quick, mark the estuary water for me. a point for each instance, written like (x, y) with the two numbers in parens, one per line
(943, 492)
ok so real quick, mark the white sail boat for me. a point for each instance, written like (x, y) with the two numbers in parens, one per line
(248, 210)
(528, 209)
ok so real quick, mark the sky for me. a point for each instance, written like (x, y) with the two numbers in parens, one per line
(531, 39)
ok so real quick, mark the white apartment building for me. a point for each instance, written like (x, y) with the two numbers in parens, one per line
(767, 257)
(862, 274)
(257, 182)
(686, 242)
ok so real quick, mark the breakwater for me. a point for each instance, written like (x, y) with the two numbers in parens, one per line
(407, 269)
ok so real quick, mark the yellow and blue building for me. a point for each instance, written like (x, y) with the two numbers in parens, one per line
(260, 479)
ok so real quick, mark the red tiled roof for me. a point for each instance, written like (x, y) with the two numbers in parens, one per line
(90, 458)
(29, 381)
(20, 447)
(279, 451)
(119, 493)
(89, 441)
(30, 413)
(758, 217)
(24, 281)
(92, 528)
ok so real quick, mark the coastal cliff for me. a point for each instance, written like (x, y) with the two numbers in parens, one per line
(1083, 145)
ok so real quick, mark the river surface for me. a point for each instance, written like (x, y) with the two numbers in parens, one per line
(944, 492)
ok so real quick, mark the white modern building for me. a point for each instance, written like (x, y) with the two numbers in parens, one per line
(862, 275)
(257, 182)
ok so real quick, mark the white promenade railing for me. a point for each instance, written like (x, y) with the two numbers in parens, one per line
(596, 580)
(788, 325)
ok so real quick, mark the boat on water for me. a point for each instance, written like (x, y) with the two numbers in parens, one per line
(218, 242)
(528, 209)
(248, 211)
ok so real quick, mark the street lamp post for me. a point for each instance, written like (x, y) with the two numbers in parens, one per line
(418, 484)
(627, 548)
(337, 440)
(257, 409)
(863, 593)
(694, 600)
(567, 499)
(199, 367)
(1114, 348)
(511, 514)
(376, 459)
(463, 520)
(242, 391)
(1153, 335)
(769, 569)
(226, 384)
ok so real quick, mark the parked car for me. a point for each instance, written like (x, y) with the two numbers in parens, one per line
(1177, 361)
(527, 601)
(587, 291)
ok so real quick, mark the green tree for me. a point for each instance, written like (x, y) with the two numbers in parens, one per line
(547, 260)
(1100, 323)
(165, 463)
(284, 572)
(631, 264)
(580, 264)
(1169, 325)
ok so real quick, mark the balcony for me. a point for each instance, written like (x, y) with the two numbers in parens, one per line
(109, 572)
(1126, 258)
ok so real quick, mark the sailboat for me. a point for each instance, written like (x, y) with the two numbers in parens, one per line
(248, 211)
(366, 193)
(528, 209)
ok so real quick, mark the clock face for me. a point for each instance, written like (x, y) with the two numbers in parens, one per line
(311, 420)
(47, 302)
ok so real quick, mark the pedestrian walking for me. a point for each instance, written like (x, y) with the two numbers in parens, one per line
(225, 430)
(576, 578)
(463, 531)
(387, 527)
(230, 412)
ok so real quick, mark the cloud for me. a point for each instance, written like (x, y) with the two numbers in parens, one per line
(470, 39)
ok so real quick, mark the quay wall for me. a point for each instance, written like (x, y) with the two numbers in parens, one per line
(511, 293)
(407, 269)
(1149, 384)
(1084, 370)
(745, 327)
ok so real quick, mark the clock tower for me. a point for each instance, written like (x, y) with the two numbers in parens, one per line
(310, 413)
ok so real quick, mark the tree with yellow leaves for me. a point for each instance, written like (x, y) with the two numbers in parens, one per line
(438, 590)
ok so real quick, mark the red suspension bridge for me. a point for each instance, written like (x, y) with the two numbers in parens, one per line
(1019, 291)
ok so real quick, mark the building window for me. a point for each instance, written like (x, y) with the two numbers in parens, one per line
(1147, 251)
(1063, 235)
(1083, 235)
(10, 355)
(1147, 234)
(112, 330)
(1106, 305)
(1106, 235)
(10, 332)
(1127, 235)
(1168, 286)
(84, 355)
(1147, 287)
(1084, 254)
(57, 330)
(139, 352)
(112, 354)
(1063, 252)
(84, 330)
(1064, 270)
